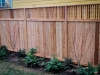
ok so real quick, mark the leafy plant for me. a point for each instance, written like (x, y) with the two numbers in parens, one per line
(54, 65)
(32, 51)
(3, 52)
(68, 62)
(43, 63)
(21, 53)
(31, 60)
(88, 71)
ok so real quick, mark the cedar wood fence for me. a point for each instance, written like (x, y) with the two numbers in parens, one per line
(55, 30)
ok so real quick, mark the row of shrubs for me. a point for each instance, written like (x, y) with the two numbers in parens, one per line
(53, 65)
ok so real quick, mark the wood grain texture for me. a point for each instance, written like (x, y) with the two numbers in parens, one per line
(54, 30)
(75, 37)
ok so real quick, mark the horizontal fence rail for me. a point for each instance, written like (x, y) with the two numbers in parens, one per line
(62, 30)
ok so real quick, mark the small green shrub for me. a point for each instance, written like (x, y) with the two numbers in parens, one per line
(54, 65)
(3, 52)
(31, 60)
(32, 51)
(42, 63)
(21, 53)
(90, 70)
(68, 62)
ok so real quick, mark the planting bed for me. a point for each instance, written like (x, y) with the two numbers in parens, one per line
(39, 69)
(42, 66)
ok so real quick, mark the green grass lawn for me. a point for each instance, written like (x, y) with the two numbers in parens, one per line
(7, 68)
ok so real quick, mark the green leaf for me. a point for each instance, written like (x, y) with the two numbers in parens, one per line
(31, 59)
(89, 71)
(54, 65)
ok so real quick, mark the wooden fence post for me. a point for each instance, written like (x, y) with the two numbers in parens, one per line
(25, 31)
(96, 43)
